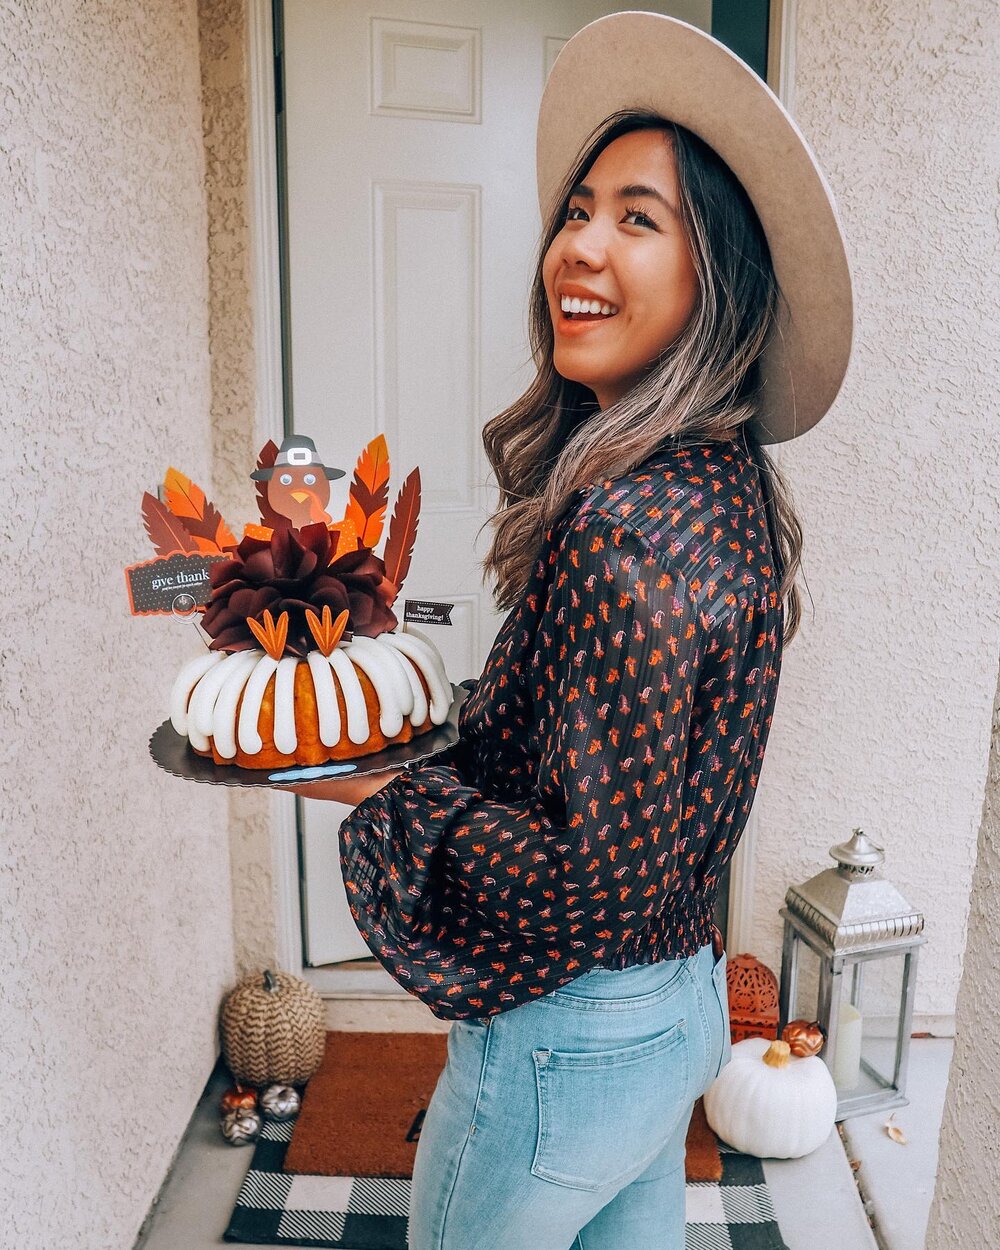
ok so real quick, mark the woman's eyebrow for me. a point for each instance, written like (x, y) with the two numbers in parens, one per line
(629, 192)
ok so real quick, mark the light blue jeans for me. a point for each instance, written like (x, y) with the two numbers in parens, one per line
(561, 1125)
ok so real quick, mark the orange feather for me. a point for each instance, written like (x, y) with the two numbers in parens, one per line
(368, 494)
(183, 497)
(202, 520)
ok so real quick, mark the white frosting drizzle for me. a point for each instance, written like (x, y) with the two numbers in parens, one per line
(327, 708)
(419, 713)
(354, 697)
(189, 676)
(206, 693)
(417, 636)
(202, 705)
(224, 712)
(248, 733)
(383, 678)
(286, 740)
(425, 655)
(389, 658)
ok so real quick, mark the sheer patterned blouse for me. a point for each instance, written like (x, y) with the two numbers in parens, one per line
(607, 757)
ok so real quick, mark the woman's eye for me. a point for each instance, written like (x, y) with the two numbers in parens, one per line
(285, 479)
(641, 219)
(310, 479)
(573, 210)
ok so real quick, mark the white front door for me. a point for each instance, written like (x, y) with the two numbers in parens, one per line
(412, 224)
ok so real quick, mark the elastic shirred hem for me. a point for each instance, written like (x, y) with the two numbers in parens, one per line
(681, 930)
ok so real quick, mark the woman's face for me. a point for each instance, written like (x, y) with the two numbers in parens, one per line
(623, 253)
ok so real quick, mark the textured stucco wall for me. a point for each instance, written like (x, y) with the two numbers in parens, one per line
(884, 709)
(235, 437)
(115, 914)
(966, 1208)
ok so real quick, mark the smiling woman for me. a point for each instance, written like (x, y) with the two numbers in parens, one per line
(619, 276)
(548, 881)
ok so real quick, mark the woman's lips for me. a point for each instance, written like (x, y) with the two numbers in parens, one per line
(579, 323)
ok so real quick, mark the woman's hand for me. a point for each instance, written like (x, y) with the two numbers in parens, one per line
(349, 790)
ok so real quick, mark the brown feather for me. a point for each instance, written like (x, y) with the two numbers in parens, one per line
(402, 530)
(266, 458)
(368, 494)
(166, 532)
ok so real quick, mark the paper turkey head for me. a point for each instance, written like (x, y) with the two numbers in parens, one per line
(298, 483)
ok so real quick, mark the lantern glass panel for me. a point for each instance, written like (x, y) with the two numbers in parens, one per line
(876, 986)
(807, 961)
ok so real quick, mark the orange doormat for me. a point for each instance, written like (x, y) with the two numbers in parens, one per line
(362, 1110)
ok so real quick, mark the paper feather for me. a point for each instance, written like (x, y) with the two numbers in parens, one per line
(202, 520)
(402, 530)
(368, 494)
(166, 531)
(266, 457)
(183, 497)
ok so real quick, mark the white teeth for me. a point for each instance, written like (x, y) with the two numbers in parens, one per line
(574, 305)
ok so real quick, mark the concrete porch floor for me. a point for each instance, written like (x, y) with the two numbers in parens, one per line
(816, 1199)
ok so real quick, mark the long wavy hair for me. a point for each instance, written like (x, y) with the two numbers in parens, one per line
(702, 388)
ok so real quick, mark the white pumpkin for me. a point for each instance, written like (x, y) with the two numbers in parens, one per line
(770, 1103)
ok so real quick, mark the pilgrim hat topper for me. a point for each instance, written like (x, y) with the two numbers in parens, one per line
(298, 452)
(298, 483)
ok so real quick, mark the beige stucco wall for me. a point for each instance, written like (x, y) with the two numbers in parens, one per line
(884, 708)
(966, 1208)
(115, 914)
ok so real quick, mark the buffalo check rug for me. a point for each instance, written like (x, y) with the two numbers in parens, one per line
(277, 1208)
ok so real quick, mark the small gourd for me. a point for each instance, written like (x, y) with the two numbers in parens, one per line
(770, 1103)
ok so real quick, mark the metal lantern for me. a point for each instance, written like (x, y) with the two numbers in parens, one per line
(849, 961)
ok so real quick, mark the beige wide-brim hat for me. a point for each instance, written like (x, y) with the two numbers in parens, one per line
(647, 61)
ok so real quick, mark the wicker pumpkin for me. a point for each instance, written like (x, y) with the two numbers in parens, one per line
(273, 1030)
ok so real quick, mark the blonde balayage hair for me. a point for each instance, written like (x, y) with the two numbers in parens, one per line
(703, 387)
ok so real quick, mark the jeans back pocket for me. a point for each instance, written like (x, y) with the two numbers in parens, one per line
(605, 1114)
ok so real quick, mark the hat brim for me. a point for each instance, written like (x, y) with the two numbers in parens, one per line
(265, 475)
(652, 62)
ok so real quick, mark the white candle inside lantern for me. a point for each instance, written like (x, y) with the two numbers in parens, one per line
(847, 1060)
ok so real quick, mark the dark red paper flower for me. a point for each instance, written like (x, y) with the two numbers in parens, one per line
(291, 572)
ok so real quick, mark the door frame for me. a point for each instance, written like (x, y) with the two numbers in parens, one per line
(265, 243)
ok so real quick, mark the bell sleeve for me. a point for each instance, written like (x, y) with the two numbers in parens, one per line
(442, 874)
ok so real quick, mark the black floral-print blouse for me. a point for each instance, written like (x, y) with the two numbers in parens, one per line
(607, 757)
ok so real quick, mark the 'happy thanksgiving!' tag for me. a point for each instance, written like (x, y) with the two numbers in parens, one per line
(424, 612)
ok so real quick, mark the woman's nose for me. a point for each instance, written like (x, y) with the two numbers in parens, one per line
(586, 245)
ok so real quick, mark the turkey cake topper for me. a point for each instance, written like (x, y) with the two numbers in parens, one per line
(297, 484)
(297, 579)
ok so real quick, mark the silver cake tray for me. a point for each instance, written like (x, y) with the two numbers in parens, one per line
(173, 753)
